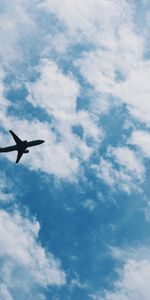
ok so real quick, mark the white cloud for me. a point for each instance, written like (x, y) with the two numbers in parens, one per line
(75, 283)
(121, 72)
(127, 175)
(117, 66)
(141, 139)
(133, 281)
(113, 177)
(133, 275)
(4, 103)
(4, 293)
(87, 18)
(16, 24)
(5, 189)
(25, 265)
(128, 159)
(54, 91)
(89, 204)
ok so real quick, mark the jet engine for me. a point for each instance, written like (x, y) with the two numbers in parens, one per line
(26, 151)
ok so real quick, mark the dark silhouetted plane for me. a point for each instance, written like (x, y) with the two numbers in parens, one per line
(21, 146)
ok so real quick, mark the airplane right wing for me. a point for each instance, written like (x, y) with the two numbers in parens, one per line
(15, 137)
(20, 153)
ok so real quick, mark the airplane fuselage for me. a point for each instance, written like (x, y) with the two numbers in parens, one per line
(23, 145)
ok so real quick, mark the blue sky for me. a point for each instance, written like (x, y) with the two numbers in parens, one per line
(75, 212)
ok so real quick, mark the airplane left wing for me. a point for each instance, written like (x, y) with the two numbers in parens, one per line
(15, 137)
(20, 153)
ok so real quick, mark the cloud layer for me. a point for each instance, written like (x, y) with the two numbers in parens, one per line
(76, 74)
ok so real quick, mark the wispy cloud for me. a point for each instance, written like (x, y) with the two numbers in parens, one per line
(141, 139)
(25, 264)
(6, 194)
(133, 277)
(122, 169)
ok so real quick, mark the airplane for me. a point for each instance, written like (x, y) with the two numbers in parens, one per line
(21, 146)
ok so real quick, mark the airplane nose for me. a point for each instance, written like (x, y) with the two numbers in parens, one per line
(42, 141)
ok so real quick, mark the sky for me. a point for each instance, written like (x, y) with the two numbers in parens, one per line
(75, 211)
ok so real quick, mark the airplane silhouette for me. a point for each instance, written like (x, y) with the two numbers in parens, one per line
(21, 146)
